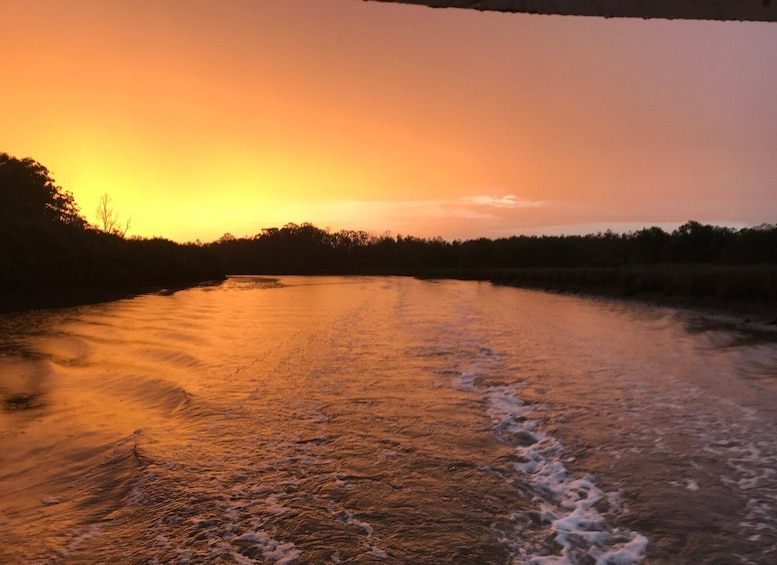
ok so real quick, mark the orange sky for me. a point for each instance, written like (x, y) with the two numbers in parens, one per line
(202, 117)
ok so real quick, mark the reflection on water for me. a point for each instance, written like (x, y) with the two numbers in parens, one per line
(383, 420)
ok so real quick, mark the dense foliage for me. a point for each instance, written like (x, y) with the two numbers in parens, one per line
(28, 195)
(46, 243)
(305, 249)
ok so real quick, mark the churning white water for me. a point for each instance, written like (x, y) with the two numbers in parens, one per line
(383, 420)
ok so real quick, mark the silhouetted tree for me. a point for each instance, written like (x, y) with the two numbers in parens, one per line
(109, 217)
(301, 249)
(647, 245)
(46, 244)
(28, 194)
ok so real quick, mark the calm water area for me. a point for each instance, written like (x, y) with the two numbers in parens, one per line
(383, 420)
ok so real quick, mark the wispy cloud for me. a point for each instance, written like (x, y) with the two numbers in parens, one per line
(466, 215)
(404, 214)
(466, 207)
(443, 216)
(507, 201)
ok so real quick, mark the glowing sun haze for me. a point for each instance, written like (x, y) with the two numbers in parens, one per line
(202, 117)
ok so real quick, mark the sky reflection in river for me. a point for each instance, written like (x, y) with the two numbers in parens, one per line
(382, 420)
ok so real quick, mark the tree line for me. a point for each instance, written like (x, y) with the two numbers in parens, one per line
(46, 243)
(307, 249)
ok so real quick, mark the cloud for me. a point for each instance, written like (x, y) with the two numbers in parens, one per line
(483, 207)
(507, 201)
(466, 216)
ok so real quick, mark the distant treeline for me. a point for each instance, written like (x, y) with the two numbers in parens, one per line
(696, 264)
(306, 249)
(45, 243)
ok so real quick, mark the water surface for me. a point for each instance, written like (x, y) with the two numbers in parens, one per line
(383, 420)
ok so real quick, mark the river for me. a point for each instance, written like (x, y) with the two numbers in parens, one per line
(384, 420)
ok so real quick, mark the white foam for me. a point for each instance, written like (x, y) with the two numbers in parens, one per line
(688, 484)
(347, 518)
(566, 502)
(273, 506)
(377, 552)
(464, 381)
(343, 484)
(272, 550)
(371, 541)
(82, 536)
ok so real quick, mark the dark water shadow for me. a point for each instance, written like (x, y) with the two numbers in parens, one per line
(82, 295)
(23, 383)
(21, 401)
(729, 331)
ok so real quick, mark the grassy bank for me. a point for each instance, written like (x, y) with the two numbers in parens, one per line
(747, 290)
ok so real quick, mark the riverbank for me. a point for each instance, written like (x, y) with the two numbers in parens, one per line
(744, 292)
(730, 294)
(86, 294)
(738, 293)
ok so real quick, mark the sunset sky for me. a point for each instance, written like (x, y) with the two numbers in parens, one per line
(204, 117)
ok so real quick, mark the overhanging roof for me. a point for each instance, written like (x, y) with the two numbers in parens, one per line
(751, 10)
